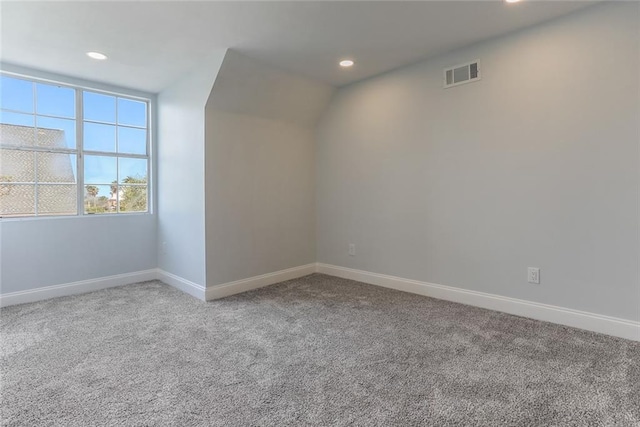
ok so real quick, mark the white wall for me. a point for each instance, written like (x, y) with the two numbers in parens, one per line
(54, 251)
(535, 165)
(39, 252)
(260, 176)
(181, 206)
(260, 197)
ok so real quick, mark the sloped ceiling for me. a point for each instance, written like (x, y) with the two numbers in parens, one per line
(152, 43)
(251, 87)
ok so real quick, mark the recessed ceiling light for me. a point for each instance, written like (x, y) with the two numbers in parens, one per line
(512, 1)
(97, 55)
(346, 63)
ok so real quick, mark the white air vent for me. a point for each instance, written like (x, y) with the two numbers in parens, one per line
(461, 74)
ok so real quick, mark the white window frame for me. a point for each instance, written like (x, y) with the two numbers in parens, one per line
(79, 151)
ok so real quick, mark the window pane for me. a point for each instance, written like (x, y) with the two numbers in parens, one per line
(99, 199)
(133, 198)
(17, 166)
(16, 118)
(56, 133)
(57, 199)
(98, 107)
(56, 167)
(99, 137)
(131, 140)
(133, 113)
(17, 200)
(55, 100)
(20, 136)
(132, 171)
(16, 94)
(100, 170)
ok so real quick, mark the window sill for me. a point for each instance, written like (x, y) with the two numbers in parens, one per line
(76, 217)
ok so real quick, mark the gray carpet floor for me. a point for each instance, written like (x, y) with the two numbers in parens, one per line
(316, 351)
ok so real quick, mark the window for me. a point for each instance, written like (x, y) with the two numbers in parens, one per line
(66, 150)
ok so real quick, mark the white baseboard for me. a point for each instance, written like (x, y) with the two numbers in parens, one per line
(178, 282)
(83, 286)
(231, 288)
(182, 284)
(564, 316)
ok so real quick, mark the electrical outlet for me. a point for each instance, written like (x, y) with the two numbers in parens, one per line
(352, 249)
(534, 275)
(164, 247)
